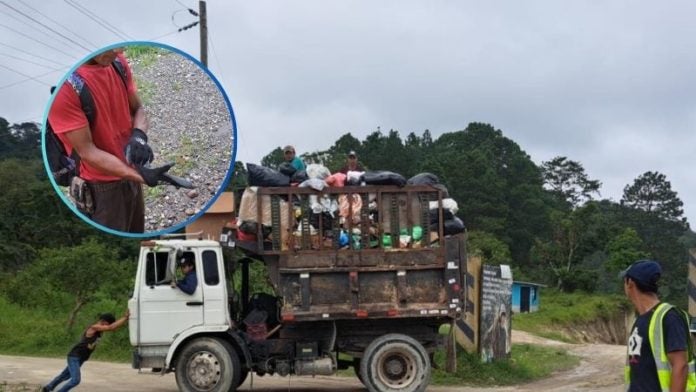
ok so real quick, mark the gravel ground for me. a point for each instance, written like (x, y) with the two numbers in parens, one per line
(189, 125)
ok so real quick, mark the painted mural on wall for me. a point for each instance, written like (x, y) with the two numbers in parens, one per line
(496, 303)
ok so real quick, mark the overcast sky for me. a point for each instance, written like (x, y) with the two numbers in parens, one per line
(609, 84)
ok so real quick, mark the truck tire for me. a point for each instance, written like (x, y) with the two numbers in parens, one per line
(395, 363)
(207, 365)
(243, 376)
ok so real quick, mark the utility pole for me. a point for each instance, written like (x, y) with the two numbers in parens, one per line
(204, 31)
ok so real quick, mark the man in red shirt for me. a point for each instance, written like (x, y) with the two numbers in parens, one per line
(113, 149)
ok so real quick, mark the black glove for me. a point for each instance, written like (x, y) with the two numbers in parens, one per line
(137, 151)
(152, 175)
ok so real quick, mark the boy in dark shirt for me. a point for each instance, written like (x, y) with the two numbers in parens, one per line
(83, 350)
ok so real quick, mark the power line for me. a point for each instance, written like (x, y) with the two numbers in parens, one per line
(59, 24)
(163, 35)
(34, 39)
(23, 23)
(46, 26)
(34, 78)
(28, 61)
(99, 20)
(32, 54)
(217, 61)
(25, 75)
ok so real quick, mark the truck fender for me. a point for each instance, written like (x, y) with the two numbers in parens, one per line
(183, 336)
(244, 348)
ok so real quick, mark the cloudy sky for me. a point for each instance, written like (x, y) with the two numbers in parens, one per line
(610, 84)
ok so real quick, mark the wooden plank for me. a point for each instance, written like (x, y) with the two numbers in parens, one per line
(467, 325)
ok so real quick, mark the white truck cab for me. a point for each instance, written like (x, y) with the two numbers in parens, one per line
(162, 316)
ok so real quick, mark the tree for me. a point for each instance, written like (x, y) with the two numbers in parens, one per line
(488, 247)
(498, 187)
(574, 236)
(80, 271)
(274, 158)
(568, 181)
(651, 192)
(624, 249)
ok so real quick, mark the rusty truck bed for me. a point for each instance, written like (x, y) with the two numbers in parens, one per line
(378, 274)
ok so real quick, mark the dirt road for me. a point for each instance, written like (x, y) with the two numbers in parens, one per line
(600, 369)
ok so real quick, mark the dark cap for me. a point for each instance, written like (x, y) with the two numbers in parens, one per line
(644, 272)
(352, 153)
(288, 148)
(108, 317)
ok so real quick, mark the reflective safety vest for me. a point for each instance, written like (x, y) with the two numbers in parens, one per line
(657, 345)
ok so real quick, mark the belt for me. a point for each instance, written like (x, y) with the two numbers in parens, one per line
(107, 186)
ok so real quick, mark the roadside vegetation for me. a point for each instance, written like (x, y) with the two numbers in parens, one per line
(527, 363)
(558, 310)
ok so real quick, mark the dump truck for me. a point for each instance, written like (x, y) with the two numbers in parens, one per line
(361, 276)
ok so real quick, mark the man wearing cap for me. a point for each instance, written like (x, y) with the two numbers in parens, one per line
(190, 281)
(289, 154)
(83, 350)
(659, 356)
(351, 163)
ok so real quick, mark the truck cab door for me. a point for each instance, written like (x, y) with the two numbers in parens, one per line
(215, 310)
(163, 311)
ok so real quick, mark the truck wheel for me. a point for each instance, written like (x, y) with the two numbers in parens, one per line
(243, 376)
(395, 363)
(208, 365)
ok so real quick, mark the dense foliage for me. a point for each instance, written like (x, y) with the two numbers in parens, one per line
(545, 220)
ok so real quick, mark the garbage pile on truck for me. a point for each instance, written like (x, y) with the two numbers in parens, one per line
(344, 211)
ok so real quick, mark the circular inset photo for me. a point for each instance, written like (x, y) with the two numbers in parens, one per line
(139, 139)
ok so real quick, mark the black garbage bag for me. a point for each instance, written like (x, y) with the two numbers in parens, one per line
(287, 168)
(423, 179)
(435, 216)
(383, 178)
(454, 226)
(326, 221)
(250, 228)
(428, 179)
(264, 176)
(299, 176)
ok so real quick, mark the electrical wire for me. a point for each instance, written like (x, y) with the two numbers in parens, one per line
(44, 25)
(34, 39)
(25, 75)
(97, 19)
(59, 24)
(28, 79)
(163, 35)
(29, 61)
(217, 61)
(52, 37)
(32, 54)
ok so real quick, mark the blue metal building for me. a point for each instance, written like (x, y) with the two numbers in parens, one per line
(525, 296)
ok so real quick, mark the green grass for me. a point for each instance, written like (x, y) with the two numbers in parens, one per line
(23, 387)
(558, 310)
(183, 157)
(527, 363)
(146, 90)
(42, 333)
(145, 55)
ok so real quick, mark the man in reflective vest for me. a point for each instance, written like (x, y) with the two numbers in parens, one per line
(659, 356)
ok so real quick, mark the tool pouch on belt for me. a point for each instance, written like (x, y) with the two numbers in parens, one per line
(82, 195)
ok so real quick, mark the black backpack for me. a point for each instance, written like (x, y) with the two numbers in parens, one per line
(63, 166)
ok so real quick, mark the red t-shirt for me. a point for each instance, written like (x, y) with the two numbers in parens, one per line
(112, 123)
